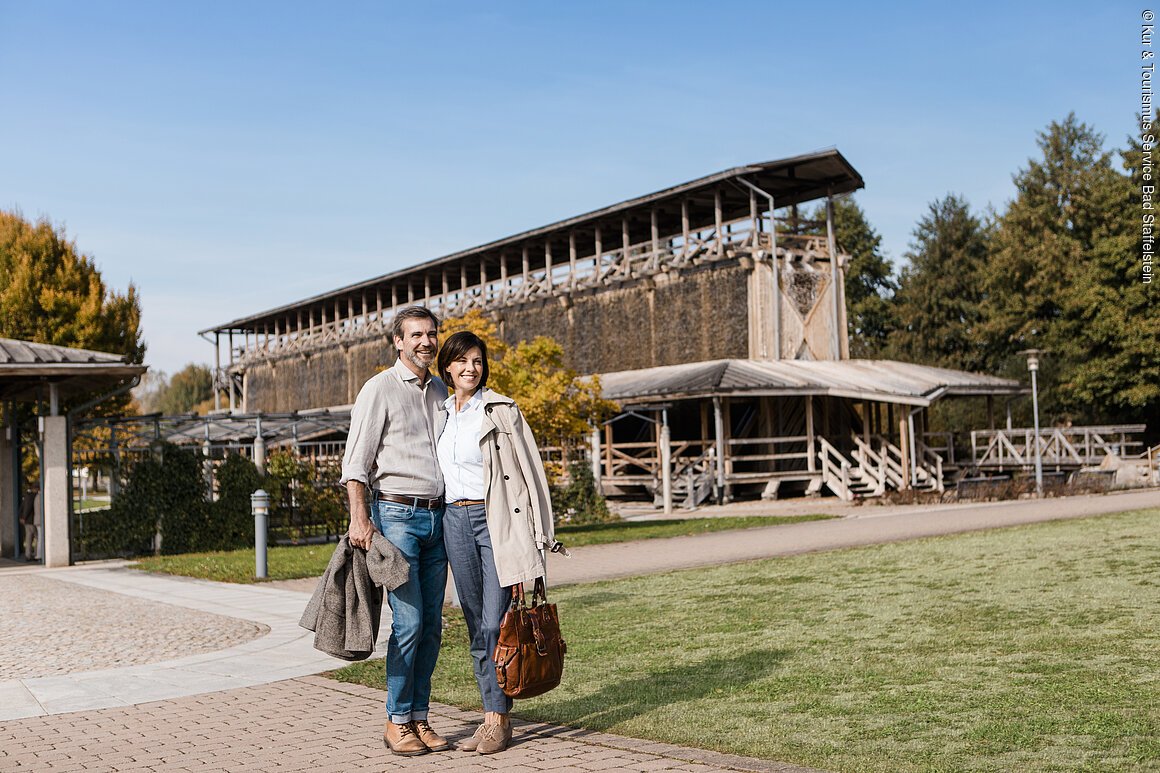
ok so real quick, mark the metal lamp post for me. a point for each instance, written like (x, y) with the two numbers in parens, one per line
(260, 507)
(1033, 366)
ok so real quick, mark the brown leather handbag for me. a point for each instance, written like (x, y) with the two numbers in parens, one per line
(529, 656)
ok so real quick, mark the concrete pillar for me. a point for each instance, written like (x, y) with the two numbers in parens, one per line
(9, 495)
(55, 491)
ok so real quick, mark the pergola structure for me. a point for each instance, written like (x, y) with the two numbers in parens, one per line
(44, 374)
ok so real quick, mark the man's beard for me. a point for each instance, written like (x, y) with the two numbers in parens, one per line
(421, 360)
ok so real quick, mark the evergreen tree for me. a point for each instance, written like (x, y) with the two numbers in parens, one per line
(940, 291)
(1064, 277)
(1109, 318)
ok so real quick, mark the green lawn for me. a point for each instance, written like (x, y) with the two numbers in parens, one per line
(288, 563)
(1028, 648)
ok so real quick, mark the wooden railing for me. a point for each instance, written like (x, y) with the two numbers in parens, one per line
(1058, 447)
(835, 469)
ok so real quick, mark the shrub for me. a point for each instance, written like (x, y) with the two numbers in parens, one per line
(578, 501)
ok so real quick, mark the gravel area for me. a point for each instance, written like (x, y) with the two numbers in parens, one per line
(49, 627)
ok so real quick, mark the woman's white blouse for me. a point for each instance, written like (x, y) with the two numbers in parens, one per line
(459, 455)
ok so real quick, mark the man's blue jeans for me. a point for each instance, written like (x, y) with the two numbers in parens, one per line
(416, 606)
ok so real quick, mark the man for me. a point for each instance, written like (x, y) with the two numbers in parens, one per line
(394, 425)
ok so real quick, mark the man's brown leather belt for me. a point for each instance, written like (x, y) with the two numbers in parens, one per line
(399, 499)
(467, 502)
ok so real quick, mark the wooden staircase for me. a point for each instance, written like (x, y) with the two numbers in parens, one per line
(875, 467)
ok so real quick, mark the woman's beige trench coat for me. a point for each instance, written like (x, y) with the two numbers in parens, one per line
(519, 510)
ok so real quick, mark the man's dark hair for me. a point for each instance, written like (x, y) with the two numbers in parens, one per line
(455, 347)
(411, 312)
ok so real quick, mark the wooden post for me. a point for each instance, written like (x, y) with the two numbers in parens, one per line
(608, 450)
(571, 260)
(717, 223)
(666, 462)
(599, 253)
(483, 282)
(217, 370)
(776, 282)
(503, 278)
(719, 436)
(526, 267)
(866, 422)
(684, 228)
(624, 243)
(548, 265)
(904, 446)
(990, 412)
(811, 443)
(655, 260)
(594, 453)
(836, 336)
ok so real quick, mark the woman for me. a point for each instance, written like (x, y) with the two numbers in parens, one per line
(498, 522)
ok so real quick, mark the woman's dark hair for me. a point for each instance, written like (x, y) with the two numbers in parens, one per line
(457, 345)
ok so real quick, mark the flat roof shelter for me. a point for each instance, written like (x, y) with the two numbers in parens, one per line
(857, 427)
(45, 374)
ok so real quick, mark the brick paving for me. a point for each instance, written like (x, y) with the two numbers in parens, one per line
(315, 724)
(310, 723)
(91, 629)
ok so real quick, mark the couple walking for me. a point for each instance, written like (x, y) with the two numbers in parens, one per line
(454, 479)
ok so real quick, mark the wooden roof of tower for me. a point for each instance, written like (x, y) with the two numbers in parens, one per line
(790, 181)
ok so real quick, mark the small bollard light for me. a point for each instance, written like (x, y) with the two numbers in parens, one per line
(260, 507)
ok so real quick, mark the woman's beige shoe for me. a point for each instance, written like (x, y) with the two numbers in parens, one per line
(472, 743)
(494, 738)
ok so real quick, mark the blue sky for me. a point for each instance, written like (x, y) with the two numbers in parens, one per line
(232, 157)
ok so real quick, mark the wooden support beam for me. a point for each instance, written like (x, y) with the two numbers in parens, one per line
(655, 259)
(624, 245)
(503, 278)
(811, 440)
(527, 271)
(548, 265)
(717, 223)
(835, 290)
(571, 260)
(684, 228)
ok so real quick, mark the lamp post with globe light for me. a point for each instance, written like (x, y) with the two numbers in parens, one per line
(1033, 366)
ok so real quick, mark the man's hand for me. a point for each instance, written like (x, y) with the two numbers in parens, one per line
(361, 529)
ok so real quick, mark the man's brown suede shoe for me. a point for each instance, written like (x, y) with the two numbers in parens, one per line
(402, 740)
(429, 737)
(494, 738)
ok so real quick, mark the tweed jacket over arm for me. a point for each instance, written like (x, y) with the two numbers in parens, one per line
(347, 603)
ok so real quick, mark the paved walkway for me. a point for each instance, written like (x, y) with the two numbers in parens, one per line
(254, 705)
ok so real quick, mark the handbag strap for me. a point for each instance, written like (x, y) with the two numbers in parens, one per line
(539, 594)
